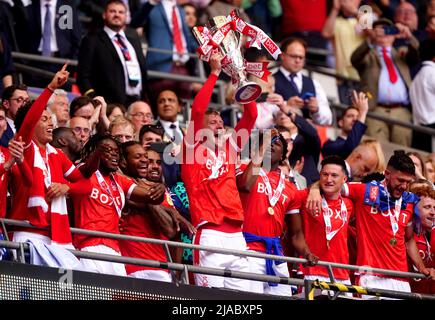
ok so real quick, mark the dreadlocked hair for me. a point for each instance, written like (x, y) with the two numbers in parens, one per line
(93, 143)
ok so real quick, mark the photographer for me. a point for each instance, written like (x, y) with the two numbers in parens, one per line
(385, 77)
(298, 90)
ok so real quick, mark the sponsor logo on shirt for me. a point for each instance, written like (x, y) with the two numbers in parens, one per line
(374, 190)
(104, 198)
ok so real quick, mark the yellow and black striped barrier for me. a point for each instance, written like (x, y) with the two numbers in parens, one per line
(336, 286)
(340, 287)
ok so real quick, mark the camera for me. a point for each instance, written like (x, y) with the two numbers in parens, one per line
(390, 30)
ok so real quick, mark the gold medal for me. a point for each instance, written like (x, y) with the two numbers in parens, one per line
(271, 211)
(393, 241)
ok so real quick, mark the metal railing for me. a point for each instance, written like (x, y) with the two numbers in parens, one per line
(212, 271)
(391, 121)
(21, 67)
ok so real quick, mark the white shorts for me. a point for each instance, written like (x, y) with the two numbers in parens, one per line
(99, 266)
(23, 236)
(213, 238)
(158, 275)
(46, 252)
(370, 281)
(326, 279)
(258, 265)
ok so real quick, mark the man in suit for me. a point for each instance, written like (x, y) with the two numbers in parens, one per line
(386, 78)
(352, 128)
(51, 32)
(168, 107)
(13, 98)
(306, 143)
(158, 17)
(111, 62)
(301, 92)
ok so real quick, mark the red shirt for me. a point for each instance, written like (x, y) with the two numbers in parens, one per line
(62, 171)
(256, 203)
(98, 212)
(213, 198)
(374, 233)
(4, 176)
(140, 224)
(315, 236)
(426, 249)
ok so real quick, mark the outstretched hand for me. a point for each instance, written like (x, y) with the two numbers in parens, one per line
(60, 78)
(215, 63)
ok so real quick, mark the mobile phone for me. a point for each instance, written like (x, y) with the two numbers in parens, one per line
(307, 95)
(390, 30)
(161, 147)
(262, 97)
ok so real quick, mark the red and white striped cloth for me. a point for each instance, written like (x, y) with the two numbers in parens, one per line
(42, 180)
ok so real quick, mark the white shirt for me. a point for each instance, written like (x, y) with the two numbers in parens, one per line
(168, 6)
(172, 132)
(323, 116)
(390, 93)
(266, 111)
(129, 90)
(422, 94)
(11, 124)
(349, 169)
(53, 42)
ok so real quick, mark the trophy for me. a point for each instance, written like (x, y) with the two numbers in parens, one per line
(233, 63)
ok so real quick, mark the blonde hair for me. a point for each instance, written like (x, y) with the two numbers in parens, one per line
(376, 147)
(120, 122)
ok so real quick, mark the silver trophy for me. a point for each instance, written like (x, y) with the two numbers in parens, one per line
(233, 63)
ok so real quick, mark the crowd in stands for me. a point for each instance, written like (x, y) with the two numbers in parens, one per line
(119, 157)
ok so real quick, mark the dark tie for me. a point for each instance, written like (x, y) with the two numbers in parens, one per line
(176, 33)
(46, 34)
(174, 132)
(127, 56)
(390, 66)
(123, 47)
(293, 83)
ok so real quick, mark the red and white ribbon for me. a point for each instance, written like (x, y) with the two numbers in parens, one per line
(256, 38)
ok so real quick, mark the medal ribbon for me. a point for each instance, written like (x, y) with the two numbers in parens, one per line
(327, 218)
(273, 196)
(46, 172)
(106, 188)
(394, 217)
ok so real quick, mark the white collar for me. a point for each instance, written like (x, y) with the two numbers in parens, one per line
(52, 3)
(287, 73)
(429, 63)
(111, 33)
(168, 123)
(349, 170)
(11, 124)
